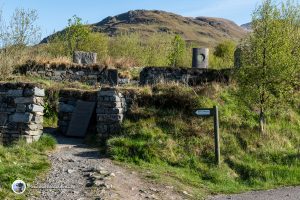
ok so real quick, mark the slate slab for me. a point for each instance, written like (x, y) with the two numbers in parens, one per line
(81, 118)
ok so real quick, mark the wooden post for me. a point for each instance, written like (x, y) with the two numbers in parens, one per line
(216, 133)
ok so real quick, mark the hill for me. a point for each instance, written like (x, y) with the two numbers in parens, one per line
(206, 31)
(247, 26)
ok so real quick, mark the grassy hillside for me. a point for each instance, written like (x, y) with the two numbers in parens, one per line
(204, 31)
(23, 161)
(162, 136)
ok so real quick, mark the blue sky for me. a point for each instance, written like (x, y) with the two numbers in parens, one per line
(53, 14)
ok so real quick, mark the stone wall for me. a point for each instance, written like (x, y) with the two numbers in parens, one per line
(111, 108)
(190, 76)
(67, 103)
(89, 74)
(21, 112)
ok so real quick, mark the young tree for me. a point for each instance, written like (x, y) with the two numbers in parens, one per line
(270, 70)
(22, 30)
(76, 34)
(177, 51)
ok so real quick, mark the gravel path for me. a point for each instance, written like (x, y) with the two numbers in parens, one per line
(78, 173)
(289, 193)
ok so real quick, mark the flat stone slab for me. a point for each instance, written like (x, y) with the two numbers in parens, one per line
(81, 57)
(81, 118)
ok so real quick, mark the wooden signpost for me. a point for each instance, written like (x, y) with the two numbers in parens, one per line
(209, 112)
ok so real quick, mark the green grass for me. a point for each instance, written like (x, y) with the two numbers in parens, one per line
(162, 136)
(23, 161)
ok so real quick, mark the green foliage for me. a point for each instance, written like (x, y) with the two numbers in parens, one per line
(270, 55)
(76, 34)
(23, 161)
(223, 55)
(22, 30)
(77, 37)
(162, 136)
(177, 52)
(50, 108)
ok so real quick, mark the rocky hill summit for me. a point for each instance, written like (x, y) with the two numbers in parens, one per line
(207, 31)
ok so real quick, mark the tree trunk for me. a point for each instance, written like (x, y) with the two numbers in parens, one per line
(262, 121)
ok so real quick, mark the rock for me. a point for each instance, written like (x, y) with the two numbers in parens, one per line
(81, 57)
(21, 108)
(35, 108)
(104, 172)
(107, 93)
(153, 190)
(70, 171)
(34, 92)
(21, 117)
(98, 169)
(37, 119)
(30, 138)
(109, 117)
(27, 100)
(169, 187)
(100, 183)
(15, 93)
(186, 193)
(37, 132)
(35, 126)
(24, 100)
(112, 174)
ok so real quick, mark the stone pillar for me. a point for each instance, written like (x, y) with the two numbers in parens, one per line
(84, 58)
(111, 107)
(200, 58)
(21, 112)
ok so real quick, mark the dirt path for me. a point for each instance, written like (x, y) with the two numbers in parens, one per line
(289, 193)
(78, 172)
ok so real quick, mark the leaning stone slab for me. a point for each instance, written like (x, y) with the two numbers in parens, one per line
(21, 117)
(67, 108)
(34, 92)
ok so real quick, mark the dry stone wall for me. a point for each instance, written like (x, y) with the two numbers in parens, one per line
(21, 112)
(111, 107)
(89, 74)
(189, 76)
